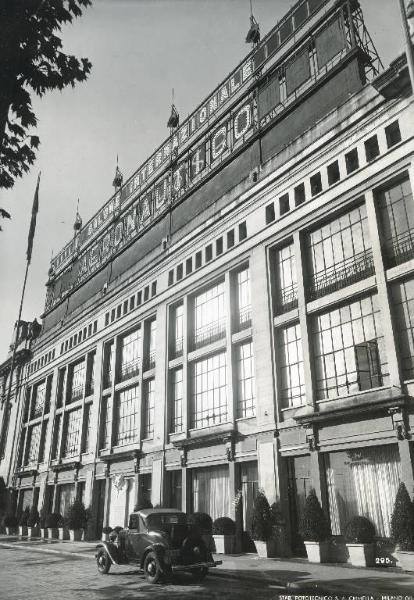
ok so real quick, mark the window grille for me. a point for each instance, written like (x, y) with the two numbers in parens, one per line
(292, 376)
(130, 355)
(149, 408)
(127, 416)
(246, 403)
(209, 391)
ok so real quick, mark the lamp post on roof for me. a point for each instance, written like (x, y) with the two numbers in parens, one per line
(118, 178)
(408, 13)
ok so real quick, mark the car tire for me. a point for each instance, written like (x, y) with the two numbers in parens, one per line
(103, 561)
(152, 568)
(199, 575)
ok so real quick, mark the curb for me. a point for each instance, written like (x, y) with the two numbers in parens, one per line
(45, 550)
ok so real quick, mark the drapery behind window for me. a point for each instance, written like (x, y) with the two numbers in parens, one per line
(211, 492)
(363, 482)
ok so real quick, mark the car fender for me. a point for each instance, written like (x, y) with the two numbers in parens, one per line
(162, 554)
(113, 551)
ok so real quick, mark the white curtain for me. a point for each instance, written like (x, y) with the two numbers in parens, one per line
(211, 492)
(121, 503)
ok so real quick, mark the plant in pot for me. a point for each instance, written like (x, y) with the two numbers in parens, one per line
(52, 523)
(359, 538)
(105, 533)
(224, 535)
(33, 523)
(23, 521)
(315, 530)
(402, 528)
(63, 533)
(202, 523)
(282, 545)
(10, 523)
(42, 523)
(75, 520)
(262, 527)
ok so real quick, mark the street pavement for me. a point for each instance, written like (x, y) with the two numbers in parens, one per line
(34, 568)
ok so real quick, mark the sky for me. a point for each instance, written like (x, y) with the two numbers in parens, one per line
(140, 50)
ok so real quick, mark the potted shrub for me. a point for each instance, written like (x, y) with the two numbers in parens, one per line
(262, 527)
(224, 535)
(203, 524)
(63, 533)
(75, 520)
(315, 530)
(23, 521)
(105, 533)
(33, 523)
(359, 538)
(42, 523)
(402, 528)
(282, 545)
(10, 523)
(53, 521)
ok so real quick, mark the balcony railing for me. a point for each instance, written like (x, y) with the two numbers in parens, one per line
(149, 362)
(129, 369)
(76, 393)
(399, 249)
(288, 299)
(208, 335)
(177, 348)
(244, 318)
(342, 274)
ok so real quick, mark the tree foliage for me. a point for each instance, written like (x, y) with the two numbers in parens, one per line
(262, 518)
(402, 520)
(315, 527)
(31, 60)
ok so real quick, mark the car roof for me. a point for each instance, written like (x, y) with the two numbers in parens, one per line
(146, 512)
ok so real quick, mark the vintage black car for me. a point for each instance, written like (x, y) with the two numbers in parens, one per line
(162, 542)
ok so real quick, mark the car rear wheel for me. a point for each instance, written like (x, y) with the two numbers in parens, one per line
(199, 575)
(152, 568)
(103, 561)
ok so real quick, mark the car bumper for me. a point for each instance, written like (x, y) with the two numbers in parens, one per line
(200, 565)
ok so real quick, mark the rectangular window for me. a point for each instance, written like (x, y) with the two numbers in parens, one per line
(292, 377)
(242, 231)
(177, 400)
(126, 407)
(230, 239)
(146, 293)
(170, 277)
(371, 148)
(316, 184)
(300, 195)
(286, 281)
(246, 403)
(73, 430)
(189, 266)
(393, 134)
(352, 161)
(177, 320)
(209, 316)
(244, 309)
(333, 173)
(180, 272)
(402, 295)
(56, 437)
(270, 213)
(209, 252)
(78, 381)
(349, 352)
(90, 384)
(106, 436)
(396, 216)
(198, 260)
(108, 364)
(39, 400)
(130, 354)
(211, 491)
(362, 481)
(339, 253)
(219, 246)
(86, 447)
(149, 408)
(284, 204)
(151, 347)
(209, 391)
(33, 444)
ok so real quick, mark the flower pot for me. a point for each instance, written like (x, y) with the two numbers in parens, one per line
(318, 552)
(63, 533)
(52, 533)
(225, 544)
(75, 535)
(266, 549)
(405, 559)
(32, 532)
(10, 530)
(22, 530)
(361, 555)
(43, 532)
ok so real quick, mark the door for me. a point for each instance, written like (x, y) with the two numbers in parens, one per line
(299, 487)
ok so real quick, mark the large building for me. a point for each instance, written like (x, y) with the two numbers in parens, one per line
(240, 313)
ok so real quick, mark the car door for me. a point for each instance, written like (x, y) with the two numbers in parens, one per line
(131, 546)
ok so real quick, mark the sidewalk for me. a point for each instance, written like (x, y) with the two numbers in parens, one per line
(295, 574)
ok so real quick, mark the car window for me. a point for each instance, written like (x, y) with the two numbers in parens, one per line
(133, 521)
(161, 522)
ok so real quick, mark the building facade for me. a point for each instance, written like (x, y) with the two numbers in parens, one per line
(238, 315)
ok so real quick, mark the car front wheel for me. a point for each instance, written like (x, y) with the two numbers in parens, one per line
(199, 575)
(152, 568)
(103, 561)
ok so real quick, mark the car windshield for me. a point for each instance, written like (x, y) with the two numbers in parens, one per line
(164, 522)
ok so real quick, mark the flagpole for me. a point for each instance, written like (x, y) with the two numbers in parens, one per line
(16, 342)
